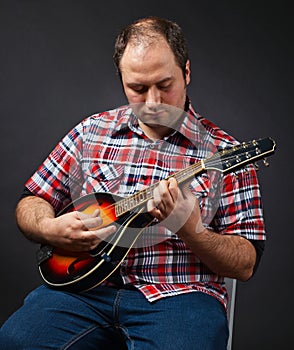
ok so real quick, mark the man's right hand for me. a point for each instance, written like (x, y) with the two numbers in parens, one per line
(72, 231)
(76, 231)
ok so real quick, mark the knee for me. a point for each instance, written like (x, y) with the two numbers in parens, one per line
(9, 339)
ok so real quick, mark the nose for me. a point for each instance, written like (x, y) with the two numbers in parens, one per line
(153, 97)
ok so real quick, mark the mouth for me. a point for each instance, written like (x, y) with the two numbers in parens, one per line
(154, 115)
(160, 117)
(157, 114)
(154, 112)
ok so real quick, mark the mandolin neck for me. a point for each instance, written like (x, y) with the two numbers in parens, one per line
(141, 197)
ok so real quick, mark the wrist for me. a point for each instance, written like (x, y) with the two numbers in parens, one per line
(191, 229)
(45, 228)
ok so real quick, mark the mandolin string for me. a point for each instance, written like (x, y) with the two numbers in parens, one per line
(147, 193)
(218, 158)
(133, 201)
(231, 156)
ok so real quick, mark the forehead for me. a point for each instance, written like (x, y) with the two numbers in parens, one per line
(147, 59)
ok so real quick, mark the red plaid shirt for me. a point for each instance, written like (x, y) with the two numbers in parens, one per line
(108, 152)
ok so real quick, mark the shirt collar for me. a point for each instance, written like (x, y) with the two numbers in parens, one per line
(190, 127)
(126, 120)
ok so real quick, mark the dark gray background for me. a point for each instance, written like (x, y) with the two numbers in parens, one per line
(56, 68)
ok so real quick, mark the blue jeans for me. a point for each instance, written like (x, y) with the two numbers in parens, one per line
(115, 319)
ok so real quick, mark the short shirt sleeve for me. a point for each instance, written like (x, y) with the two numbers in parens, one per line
(240, 210)
(58, 178)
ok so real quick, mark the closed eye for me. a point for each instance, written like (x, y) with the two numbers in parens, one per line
(140, 89)
(164, 87)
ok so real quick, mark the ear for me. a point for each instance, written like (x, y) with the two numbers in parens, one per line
(187, 72)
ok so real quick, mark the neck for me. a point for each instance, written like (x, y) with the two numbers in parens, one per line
(155, 132)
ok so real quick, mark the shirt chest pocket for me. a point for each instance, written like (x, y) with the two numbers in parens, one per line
(101, 177)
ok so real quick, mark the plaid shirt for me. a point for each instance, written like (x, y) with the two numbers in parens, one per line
(108, 152)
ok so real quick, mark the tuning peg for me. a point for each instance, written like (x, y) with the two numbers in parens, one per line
(256, 166)
(265, 162)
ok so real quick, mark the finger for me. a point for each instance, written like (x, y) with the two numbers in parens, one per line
(156, 195)
(161, 195)
(150, 205)
(83, 216)
(104, 232)
(91, 221)
(153, 210)
(90, 239)
(169, 195)
(173, 188)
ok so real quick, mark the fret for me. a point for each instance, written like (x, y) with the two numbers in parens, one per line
(223, 161)
(141, 197)
(187, 173)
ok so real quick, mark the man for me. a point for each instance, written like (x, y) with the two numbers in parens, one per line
(168, 293)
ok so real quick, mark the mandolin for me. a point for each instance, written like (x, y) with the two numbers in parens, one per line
(81, 271)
